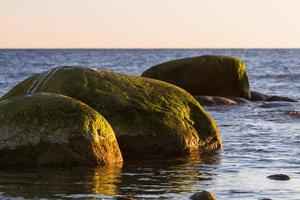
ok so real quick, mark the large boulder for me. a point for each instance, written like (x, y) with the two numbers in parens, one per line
(208, 75)
(148, 116)
(52, 129)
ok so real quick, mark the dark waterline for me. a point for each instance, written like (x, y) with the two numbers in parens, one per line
(259, 139)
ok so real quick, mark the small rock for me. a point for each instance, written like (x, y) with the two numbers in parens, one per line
(238, 99)
(203, 195)
(274, 104)
(265, 199)
(279, 98)
(205, 100)
(257, 96)
(214, 100)
(279, 177)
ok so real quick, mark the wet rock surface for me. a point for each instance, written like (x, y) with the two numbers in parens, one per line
(279, 177)
(258, 96)
(214, 100)
(209, 75)
(281, 98)
(148, 116)
(52, 129)
(203, 195)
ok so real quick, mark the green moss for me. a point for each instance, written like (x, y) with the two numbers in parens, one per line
(211, 75)
(138, 109)
(41, 121)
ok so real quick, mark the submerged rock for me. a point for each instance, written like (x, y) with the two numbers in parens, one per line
(213, 100)
(239, 100)
(257, 96)
(275, 104)
(148, 116)
(203, 195)
(279, 177)
(52, 129)
(281, 98)
(208, 75)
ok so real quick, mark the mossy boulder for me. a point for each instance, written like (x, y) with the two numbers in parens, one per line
(52, 129)
(148, 116)
(209, 75)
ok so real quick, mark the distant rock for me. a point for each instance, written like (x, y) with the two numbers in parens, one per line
(149, 117)
(203, 195)
(279, 177)
(214, 100)
(52, 129)
(209, 75)
(239, 100)
(281, 98)
(257, 96)
(275, 104)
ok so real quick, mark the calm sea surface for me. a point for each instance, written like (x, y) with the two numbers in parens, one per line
(259, 138)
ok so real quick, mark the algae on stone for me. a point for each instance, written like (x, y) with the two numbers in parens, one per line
(52, 129)
(209, 75)
(148, 116)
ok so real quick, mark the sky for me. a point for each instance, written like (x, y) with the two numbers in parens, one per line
(149, 24)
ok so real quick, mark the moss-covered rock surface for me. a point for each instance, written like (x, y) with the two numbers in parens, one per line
(209, 75)
(52, 129)
(148, 116)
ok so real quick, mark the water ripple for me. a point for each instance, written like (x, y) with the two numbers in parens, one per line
(259, 139)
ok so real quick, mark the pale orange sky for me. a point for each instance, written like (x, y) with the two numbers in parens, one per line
(149, 23)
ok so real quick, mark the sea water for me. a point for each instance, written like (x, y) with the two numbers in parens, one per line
(259, 138)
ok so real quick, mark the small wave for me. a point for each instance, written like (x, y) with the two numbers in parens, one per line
(288, 76)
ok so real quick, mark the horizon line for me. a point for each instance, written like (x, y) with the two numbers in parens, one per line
(142, 48)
